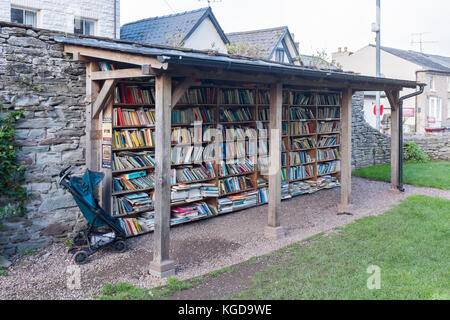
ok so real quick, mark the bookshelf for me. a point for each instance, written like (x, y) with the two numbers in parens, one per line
(219, 150)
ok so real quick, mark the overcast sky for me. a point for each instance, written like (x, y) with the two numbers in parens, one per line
(321, 24)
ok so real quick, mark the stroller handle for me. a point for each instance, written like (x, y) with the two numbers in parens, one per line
(64, 173)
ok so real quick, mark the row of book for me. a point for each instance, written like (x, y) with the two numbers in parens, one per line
(298, 113)
(188, 174)
(298, 98)
(301, 172)
(133, 181)
(328, 113)
(133, 203)
(328, 154)
(236, 166)
(234, 184)
(238, 201)
(132, 160)
(192, 211)
(235, 114)
(300, 157)
(329, 99)
(130, 138)
(231, 132)
(327, 126)
(136, 226)
(328, 167)
(301, 128)
(303, 143)
(236, 96)
(133, 117)
(194, 114)
(328, 141)
(199, 96)
(193, 154)
(132, 94)
(238, 149)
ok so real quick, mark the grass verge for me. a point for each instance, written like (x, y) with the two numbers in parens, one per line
(429, 174)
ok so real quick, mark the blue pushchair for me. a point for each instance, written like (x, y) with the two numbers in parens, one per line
(102, 229)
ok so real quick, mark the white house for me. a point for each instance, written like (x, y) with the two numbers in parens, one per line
(97, 18)
(196, 29)
(431, 110)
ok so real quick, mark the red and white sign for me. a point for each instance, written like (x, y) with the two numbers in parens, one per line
(408, 112)
(431, 120)
(375, 110)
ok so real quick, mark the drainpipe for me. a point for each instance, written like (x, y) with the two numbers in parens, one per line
(400, 135)
(115, 19)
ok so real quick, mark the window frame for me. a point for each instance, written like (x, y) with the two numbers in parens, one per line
(83, 21)
(432, 83)
(24, 12)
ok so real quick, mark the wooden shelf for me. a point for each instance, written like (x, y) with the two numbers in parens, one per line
(133, 149)
(116, 172)
(329, 160)
(328, 147)
(122, 193)
(145, 126)
(236, 192)
(237, 175)
(134, 105)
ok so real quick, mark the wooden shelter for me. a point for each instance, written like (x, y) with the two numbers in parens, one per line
(175, 70)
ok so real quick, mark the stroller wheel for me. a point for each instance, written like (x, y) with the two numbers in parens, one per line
(79, 239)
(120, 246)
(81, 257)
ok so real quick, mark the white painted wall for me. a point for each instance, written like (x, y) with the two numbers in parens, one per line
(206, 37)
(59, 14)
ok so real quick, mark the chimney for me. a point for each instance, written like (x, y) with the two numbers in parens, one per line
(339, 50)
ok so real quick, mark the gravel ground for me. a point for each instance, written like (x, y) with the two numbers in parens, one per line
(198, 247)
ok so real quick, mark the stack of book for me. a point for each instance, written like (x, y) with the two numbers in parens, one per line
(285, 194)
(302, 187)
(134, 95)
(199, 209)
(191, 115)
(133, 181)
(133, 203)
(263, 195)
(132, 160)
(225, 205)
(131, 226)
(193, 192)
(327, 182)
(244, 200)
(123, 139)
(328, 141)
(234, 184)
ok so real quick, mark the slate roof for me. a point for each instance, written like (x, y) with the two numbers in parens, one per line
(170, 30)
(428, 61)
(266, 39)
(311, 61)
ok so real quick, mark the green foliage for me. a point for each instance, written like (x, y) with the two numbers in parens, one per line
(11, 172)
(3, 273)
(27, 252)
(414, 153)
(244, 49)
(68, 242)
(30, 84)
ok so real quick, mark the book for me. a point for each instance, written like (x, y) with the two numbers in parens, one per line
(132, 160)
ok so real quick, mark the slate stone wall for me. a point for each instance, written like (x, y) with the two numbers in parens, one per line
(436, 144)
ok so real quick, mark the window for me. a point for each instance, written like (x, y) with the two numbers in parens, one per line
(432, 83)
(24, 16)
(279, 55)
(448, 83)
(448, 109)
(84, 26)
(435, 112)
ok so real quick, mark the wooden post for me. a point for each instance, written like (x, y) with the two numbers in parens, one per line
(273, 228)
(92, 125)
(393, 98)
(346, 152)
(105, 153)
(161, 265)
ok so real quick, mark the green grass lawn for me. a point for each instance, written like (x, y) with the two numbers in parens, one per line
(429, 174)
(410, 244)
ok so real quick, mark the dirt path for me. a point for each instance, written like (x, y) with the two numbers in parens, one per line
(200, 247)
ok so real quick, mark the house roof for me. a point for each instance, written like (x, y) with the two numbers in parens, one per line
(265, 40)
(311, 61)
(191, 57)
(170, 30)
(428, 61)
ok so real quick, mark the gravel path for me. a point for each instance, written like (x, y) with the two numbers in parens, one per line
(199, 247)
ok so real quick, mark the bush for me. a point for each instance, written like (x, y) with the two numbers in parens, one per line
(11, 172)
(414, 153)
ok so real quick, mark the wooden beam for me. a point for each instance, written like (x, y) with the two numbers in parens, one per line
(161, 265)
(78, 57)
(346, 152)
(123, 74)
(108, 55)
(102, 99)
(393, 97)
(274, 229)
(92, 90)
(180, 90)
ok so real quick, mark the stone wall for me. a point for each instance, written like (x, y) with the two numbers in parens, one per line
(437, 144)
(52, 133)
(369, 147)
